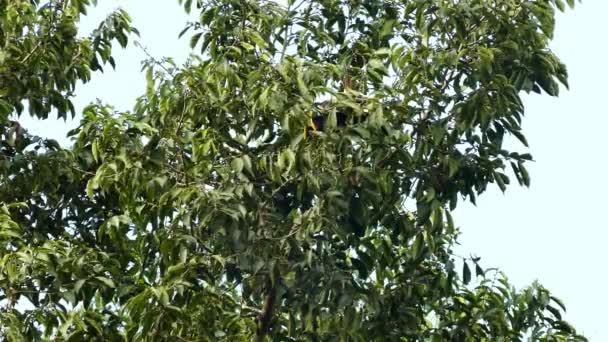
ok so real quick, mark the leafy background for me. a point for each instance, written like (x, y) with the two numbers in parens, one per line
(552, 232)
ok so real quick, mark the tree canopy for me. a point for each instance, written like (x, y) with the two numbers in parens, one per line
(293, 180)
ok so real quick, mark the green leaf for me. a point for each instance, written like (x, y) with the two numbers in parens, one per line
(417, 246)
(256, 38)
(524, 174)
(237, 165)
(303, 87)
(194, 39)
(555, 312)
(150, 82)
(500, 181)
(182, 32)
(106, 281)
(466, 273)
(78, 285)
(92, 184)
(520, 137)
(69, 296)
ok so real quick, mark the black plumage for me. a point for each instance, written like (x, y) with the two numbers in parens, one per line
(318, 122)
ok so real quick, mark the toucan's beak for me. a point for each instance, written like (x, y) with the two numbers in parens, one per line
(309, 125)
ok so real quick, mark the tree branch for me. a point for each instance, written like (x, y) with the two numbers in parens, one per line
(266, 314)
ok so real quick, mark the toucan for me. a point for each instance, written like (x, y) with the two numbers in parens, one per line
(317, 123)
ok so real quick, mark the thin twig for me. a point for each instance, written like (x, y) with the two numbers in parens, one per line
(29, 55)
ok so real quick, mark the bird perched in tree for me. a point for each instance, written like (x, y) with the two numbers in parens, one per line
(318, 122)
(318, 118)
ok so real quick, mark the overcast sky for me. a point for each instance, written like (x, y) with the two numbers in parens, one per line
(554, 232)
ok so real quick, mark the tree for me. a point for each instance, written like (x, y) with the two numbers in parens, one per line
(213, 211)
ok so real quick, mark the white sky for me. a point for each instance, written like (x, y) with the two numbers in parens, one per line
(554, 232)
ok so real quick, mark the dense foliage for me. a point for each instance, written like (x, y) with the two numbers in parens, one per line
(218, 210)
